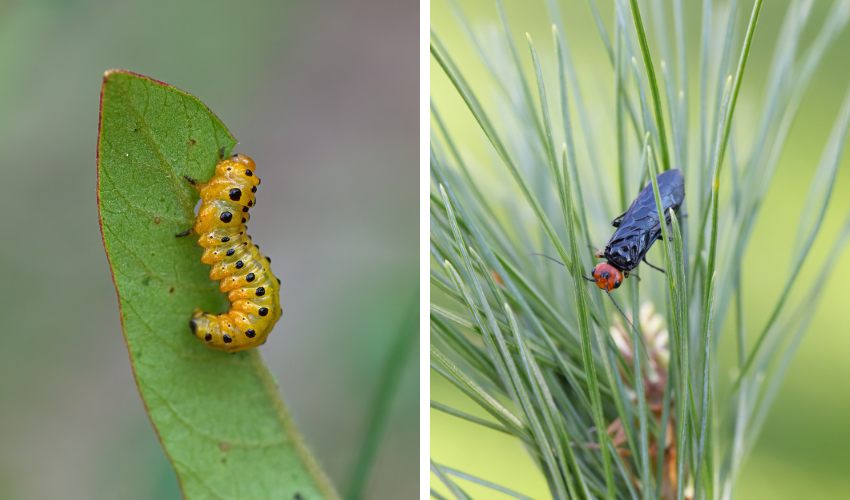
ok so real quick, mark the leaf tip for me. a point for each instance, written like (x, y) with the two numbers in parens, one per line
(111, 71)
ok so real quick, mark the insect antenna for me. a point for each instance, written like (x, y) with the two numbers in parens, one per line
(634, 328)
(553, 259)
(621, 310)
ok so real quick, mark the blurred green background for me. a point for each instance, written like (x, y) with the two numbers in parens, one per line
(323, 95)
(802, 451)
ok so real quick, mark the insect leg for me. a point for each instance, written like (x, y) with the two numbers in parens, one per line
(599, 254)
(190, 180)
(653, 266)
(616, 222)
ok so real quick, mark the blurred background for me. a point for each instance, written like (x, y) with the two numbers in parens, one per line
(802, 451)
(323, 95)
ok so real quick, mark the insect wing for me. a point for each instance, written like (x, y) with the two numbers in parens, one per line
(671, 189)
(639, 227)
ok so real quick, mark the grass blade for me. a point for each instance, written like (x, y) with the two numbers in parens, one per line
(653, 84)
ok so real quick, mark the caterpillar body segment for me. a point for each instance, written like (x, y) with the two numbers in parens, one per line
(243, 273)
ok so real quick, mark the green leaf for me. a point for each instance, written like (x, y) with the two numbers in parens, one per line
(219, 416)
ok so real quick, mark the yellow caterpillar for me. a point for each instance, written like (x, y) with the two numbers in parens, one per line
(245, 275)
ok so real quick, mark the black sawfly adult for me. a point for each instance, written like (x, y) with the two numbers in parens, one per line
(637, 229)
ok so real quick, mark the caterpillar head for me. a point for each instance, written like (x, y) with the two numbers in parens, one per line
(237, 163)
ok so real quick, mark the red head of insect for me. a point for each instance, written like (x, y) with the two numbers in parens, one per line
(606, 276)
